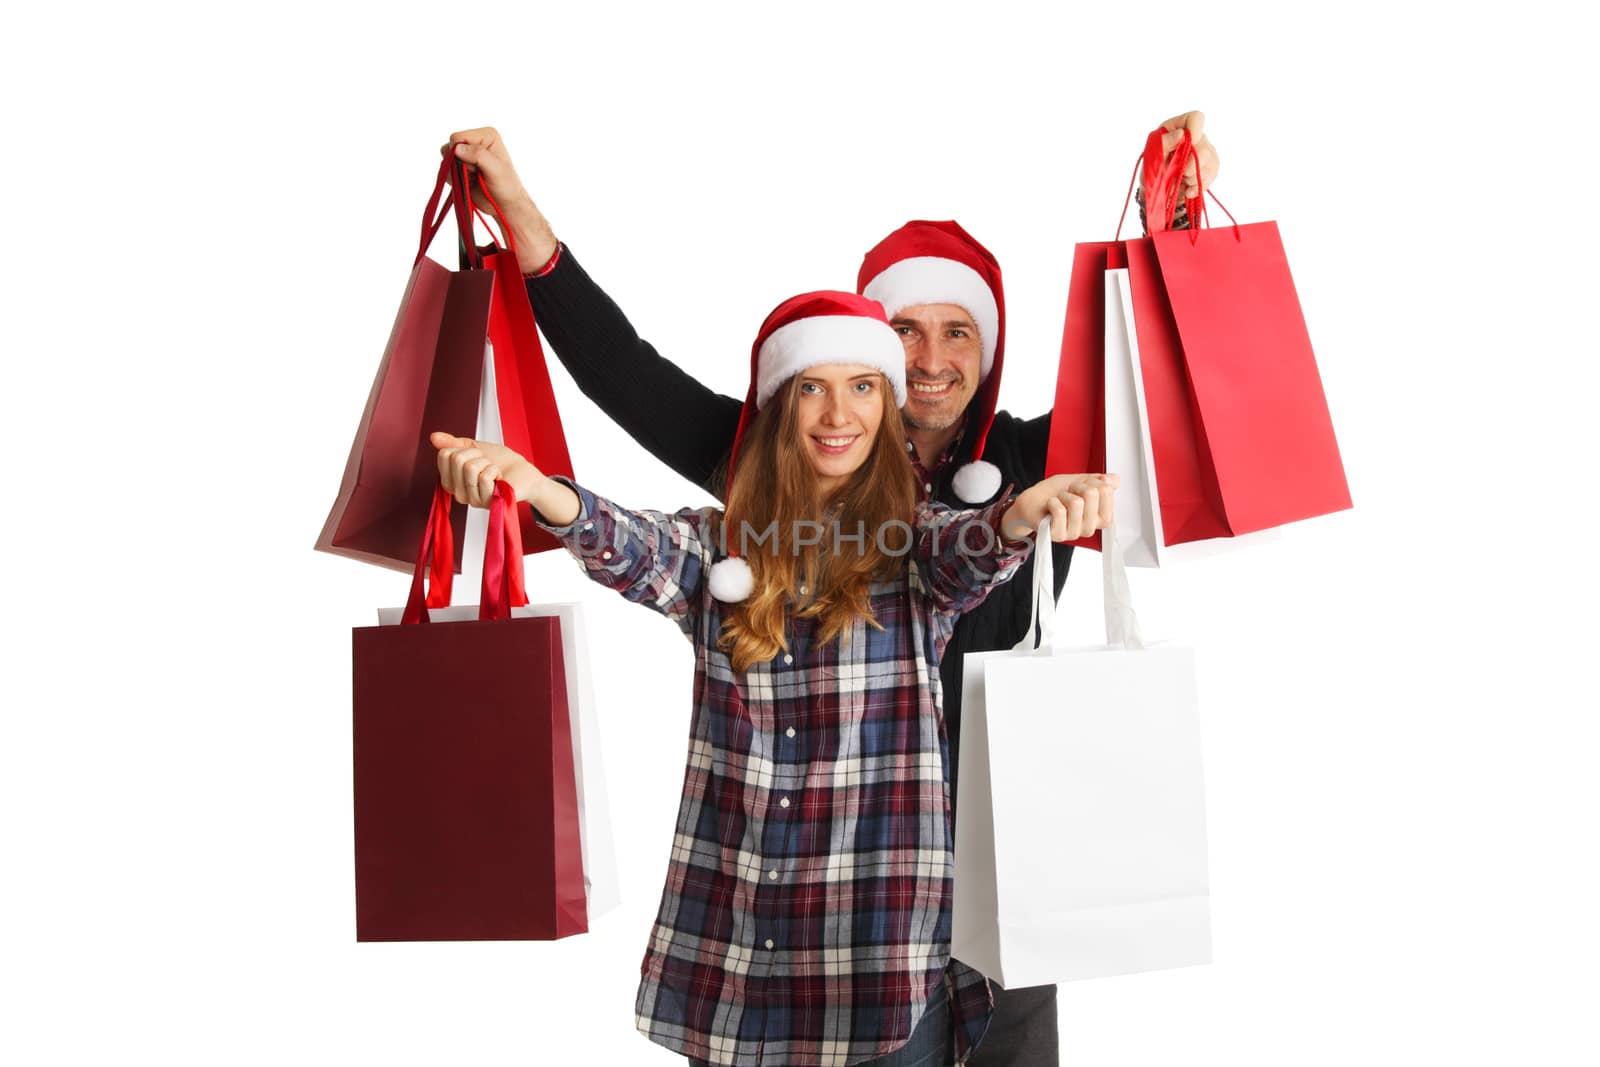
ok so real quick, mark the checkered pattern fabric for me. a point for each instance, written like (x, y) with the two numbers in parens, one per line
(806, 913)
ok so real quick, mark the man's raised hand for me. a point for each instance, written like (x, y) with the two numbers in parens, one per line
(1204, 151)
(484, 153)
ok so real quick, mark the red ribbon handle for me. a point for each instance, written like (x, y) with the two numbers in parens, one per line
(432, 216)
(435, 559)
(504, 585)
(1163, 181)
(453, 173)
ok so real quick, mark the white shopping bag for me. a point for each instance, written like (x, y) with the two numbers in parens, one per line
(1128, 451)
(1080, 824)
(594, 807)
(1128, 431)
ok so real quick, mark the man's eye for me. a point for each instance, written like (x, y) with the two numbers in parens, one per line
(903, 331)
(958, 333)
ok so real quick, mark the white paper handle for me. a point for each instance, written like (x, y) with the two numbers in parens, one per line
(1122, 623)
(1042, 615)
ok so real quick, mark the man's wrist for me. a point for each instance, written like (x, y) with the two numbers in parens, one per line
(535, 240)
(549, 265)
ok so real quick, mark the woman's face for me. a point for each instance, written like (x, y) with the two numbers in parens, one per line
(840, 407)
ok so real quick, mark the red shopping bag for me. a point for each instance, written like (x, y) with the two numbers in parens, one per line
(429, 379)
(1239, 430)
(530, 422)
(466, 804)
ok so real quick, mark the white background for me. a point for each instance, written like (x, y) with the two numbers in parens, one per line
(212, 215)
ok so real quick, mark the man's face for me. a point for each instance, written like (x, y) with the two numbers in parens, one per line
(943, 358)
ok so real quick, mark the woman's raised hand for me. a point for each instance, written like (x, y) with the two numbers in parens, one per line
(1077, 505)
(468, 469)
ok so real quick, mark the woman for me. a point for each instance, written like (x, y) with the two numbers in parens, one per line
(806, 913)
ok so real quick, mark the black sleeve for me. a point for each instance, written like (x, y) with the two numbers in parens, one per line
(1033, 441)
(1180, 217)
(679, 421)
(1029, 447)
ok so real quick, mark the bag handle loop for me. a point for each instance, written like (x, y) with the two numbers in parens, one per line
(504, 586)
(1122, 623)
(1163, 178)
(459, 202)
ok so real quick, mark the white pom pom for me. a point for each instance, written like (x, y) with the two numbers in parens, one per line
(977, 481)
(731, 580)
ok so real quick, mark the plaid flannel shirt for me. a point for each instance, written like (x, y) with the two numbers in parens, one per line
(806, 913)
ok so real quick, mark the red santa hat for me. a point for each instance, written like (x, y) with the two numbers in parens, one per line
(806, 331)
(940, 263)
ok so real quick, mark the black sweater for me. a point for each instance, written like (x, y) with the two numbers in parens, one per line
(690, 428)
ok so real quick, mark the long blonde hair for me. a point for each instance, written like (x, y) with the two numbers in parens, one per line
(773, 486)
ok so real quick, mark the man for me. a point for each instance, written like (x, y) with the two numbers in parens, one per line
(942, 291)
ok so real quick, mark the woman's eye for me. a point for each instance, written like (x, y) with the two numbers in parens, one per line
(810, 387)
(863, 387)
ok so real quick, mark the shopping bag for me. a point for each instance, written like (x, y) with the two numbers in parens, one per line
(600, 880)
(528, 419)
(1080, 829)
(1127, 430)
(429, 379)
(465, 791)
(1239, 431)
(1129, 450)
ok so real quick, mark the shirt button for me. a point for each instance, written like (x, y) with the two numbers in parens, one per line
(772, 876)
(927, 487)
(802, 590)
(790, 731)
(606, 554)
(784, 803)
(588, 526)
(769, 943)
(788, 658)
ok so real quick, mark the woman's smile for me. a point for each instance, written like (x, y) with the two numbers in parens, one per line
(835, 445)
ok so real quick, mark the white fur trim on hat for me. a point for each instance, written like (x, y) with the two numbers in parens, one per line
(936, 280)
(732, 580)
(807, 343)
(977, 481)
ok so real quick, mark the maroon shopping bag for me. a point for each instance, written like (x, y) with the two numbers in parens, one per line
(466, 806)
(1240, 434)
(430, 379)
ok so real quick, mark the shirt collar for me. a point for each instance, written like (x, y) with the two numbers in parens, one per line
(927, 476)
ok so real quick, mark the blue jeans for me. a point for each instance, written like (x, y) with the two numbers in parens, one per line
(929, 1045)
(1023, 1031)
